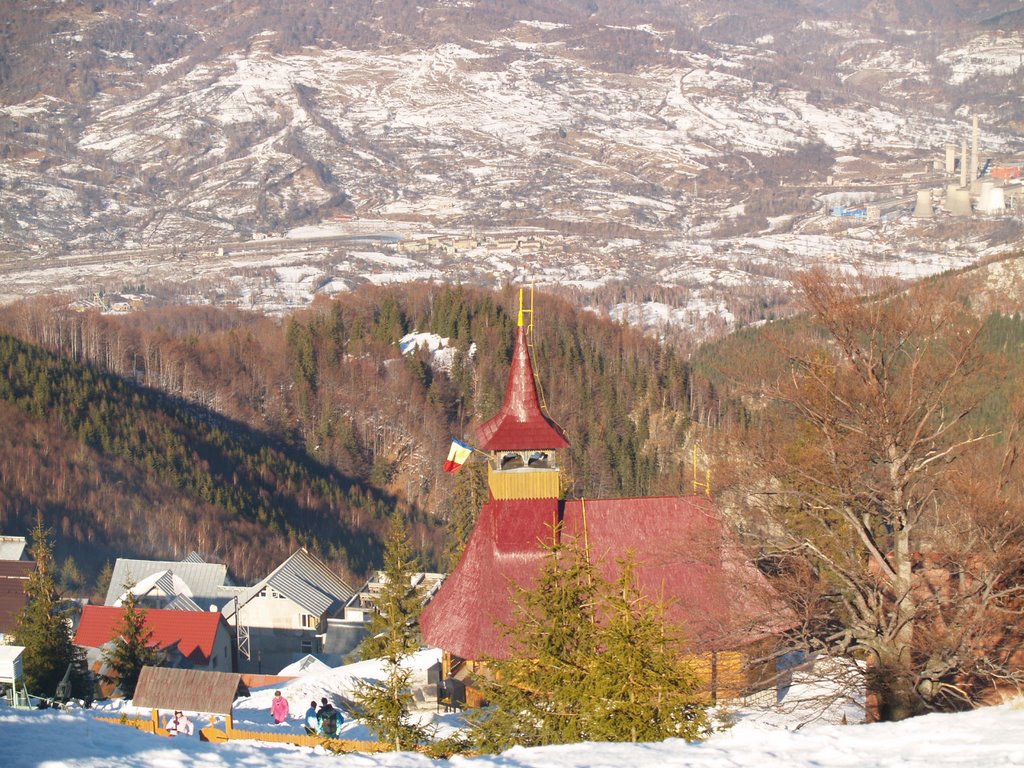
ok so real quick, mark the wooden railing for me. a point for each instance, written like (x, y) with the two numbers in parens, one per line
(304, 740)
(218, 735)
(143, 725)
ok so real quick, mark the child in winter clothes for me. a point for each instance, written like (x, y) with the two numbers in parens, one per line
(279, 708)
(328, 717)
(312, 721)
(179, 724)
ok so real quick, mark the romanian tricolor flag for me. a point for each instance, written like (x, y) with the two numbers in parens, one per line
(457, 456)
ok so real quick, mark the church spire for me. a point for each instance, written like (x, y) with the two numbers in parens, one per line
(521, 423)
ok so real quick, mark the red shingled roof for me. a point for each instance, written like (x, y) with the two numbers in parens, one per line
(683, 557)
(520, 424)
(194, 632)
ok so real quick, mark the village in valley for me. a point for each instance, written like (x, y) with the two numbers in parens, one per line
(493, 384)
(303, 619)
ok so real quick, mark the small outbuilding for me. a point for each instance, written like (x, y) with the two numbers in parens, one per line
(190, 690)
(11, 677)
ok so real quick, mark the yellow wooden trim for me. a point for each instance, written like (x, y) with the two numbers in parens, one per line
(586, 533)
(523, 484)
(697, 485)
(301, 739)
(146, 726)
(724, 672)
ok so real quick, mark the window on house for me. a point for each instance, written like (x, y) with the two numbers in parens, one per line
(309, 621)
(307, 646)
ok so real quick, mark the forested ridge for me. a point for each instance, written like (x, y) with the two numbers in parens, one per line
(186, 428)
(727, 369)
(197, 428)
(217, 486)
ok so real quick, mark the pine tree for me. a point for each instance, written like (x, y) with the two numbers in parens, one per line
(590, 662)
(103, 581)
(71, 579)
(399, 603)
(642, 689)
(468, 496)
(131, 650)
(394, 635)
(536, 694)
(44, 629)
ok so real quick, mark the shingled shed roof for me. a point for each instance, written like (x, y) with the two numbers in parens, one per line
(683, 559)
(188, 689)
(521, 423)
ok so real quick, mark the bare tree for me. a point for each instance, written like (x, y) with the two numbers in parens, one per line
(885, 499)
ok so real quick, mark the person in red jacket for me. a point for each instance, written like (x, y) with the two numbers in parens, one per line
(279, 708)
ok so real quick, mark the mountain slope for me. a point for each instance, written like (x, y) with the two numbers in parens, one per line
(118, 469)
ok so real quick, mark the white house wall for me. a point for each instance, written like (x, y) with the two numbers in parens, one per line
(276, 634)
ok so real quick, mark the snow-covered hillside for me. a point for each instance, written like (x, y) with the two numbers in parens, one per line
(637, 144)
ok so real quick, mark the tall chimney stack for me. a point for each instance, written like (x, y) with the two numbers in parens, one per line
(974, 154)
(963, 162)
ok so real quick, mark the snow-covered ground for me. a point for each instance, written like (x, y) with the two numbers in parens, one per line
(607, 177)
(794, 734)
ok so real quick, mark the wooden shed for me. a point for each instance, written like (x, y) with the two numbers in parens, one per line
(192, 690)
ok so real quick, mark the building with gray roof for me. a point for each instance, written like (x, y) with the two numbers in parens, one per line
(13, 548)
(161, 583)
(284, 616)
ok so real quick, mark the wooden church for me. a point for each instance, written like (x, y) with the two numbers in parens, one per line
(683, 555)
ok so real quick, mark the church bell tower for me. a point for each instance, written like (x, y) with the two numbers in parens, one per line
(520, 440)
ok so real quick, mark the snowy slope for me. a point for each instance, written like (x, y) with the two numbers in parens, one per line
(777, 738)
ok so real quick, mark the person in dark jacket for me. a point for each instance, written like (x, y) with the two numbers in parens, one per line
(328, 718)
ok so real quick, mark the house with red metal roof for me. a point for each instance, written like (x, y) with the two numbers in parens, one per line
(191, 639)
(683, 554)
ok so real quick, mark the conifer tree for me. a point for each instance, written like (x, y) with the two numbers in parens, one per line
(536, 695)
(103, 581)
(399, 603)
(43, 627)
(468, 496)
(131, 650)
(590, 661)
(641, 688)
(71, 578)
(394, 635)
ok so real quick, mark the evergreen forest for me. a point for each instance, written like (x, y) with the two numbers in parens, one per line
(184, 429)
